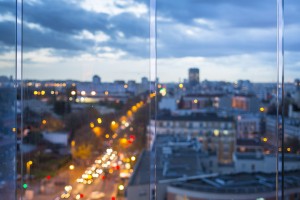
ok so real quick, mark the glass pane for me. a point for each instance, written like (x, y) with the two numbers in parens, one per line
(86, 85)
(8, 101)
(216, 93)
(290, 105)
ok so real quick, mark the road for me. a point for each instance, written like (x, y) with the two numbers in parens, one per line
(109, 185)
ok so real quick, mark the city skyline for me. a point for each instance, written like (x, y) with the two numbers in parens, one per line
(111, 39)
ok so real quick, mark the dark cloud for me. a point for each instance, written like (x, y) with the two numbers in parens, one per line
(130, 25)
(236, 27)
(8, 33)
(62, 16)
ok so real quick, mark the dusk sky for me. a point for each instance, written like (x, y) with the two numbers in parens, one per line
(76, 39)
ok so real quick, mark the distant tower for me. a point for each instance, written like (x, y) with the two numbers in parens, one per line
(96, 80)
(297, 84)
(145, 81)
(194, 76)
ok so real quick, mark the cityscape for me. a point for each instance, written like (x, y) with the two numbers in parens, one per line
(149, 100)
(101, 140)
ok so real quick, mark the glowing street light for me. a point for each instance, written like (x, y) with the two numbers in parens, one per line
(71, 167)
(132, 158)
(121, 187)
(92, 125)
(28, 165)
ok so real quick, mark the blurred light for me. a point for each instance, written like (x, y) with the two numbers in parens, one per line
(83, 93)
(121, 187)
(195, 101)
(261, 109)
(71, 167)
(14, 129)
(216, 132)
(180, 85)
(93, 93)
(79, 180)
(106, 136)
(65, 195)
(44, 122)
(288, 149)
(79, 196)
(163, 91)
(127, 166)
(123, 141)
(125, 86)
(35, 92)
(109, 151)
(99, 120)
(68, 188)
(134, 108)
(25, 186)
(73, 143)
(73, 92)
(159, 86)
(265, 139)
(52, 92)
(29, 163)
(129, 113)
(106, 93)
(48, 177)
(132, 158)
(113, 123)
(132, 137)
(92, 125)
(43, 92)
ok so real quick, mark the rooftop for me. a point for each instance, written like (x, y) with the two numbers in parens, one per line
(172, 157)
(240, 183)
(195, 117)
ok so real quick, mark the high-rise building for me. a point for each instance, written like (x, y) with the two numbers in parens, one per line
(194, 76)
(96, 80)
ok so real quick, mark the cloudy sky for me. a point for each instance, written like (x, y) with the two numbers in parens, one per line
(75, 39)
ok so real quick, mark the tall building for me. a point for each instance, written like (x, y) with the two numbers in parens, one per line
(194, 76)
(96, 80)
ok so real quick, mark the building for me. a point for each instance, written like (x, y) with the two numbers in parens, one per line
(178, 167)
(174, 156)
(194, 76)
(247, 126)
(96, 80)
(217, 133)
(249, 103)
(239, 186)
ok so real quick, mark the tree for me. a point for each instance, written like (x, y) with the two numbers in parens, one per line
(82, 152)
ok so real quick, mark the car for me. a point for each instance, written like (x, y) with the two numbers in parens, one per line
(97, 195)
(65, 195)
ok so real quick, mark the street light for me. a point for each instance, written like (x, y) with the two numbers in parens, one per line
(28, 164)
(121, 187)
(71, 167)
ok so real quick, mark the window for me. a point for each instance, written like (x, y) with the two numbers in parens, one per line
(80, 93)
